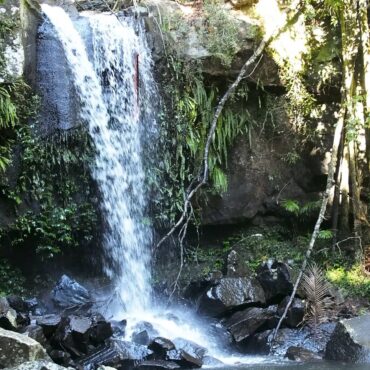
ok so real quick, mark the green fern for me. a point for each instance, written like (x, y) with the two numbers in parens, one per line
(8, 114)
(291, 206)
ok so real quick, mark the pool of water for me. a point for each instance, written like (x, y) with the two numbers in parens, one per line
(290, 365)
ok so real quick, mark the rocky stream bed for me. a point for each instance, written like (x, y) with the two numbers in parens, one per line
(239, 314)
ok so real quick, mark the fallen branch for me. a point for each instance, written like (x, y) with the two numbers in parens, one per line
(329, 186)
(204, 170)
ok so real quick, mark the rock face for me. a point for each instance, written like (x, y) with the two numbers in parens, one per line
(17, 348)
(230, 293)
(350, 341)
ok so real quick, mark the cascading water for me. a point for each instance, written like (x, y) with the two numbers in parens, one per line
(108, 88)
(115, 102)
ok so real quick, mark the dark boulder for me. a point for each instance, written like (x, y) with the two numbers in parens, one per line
(184, 359)
(8, 315)
(49, 323)
(100, 331)
(236, 266)
(231, 293)
(295, 312)
(141, 337)
(61, 358)
(258, 343)
(350, 341)
(144, 333)
(302, 355)
(243, 324)
(22, 319)
(116, 354)
(158, 365)
(17, 303)
(196, 288)
(69, 293)
(160, 346)
(190, 347)
(62, 339)
(275, 279)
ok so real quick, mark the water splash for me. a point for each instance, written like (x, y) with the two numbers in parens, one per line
(108, 86)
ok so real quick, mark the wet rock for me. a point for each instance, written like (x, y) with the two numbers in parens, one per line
(116, 354)
(243, 324)
(61, 358)
(17, 303)
(141, 337)
(196, 288)
(211, 361)
(80, 328)
(118, 327)
(36, 332)
(16, 348)
(49, 323)
(184, 359)
(275, 279)
(160, 346)
(236, 266)
(295, 312)
(301, 354)
(350, 341)
(158, 365)
(132, 351)
(22, 319)
(39, 365)
(63, 339)
(144, 333)
(312, 340)
(8, 316)
(69, 292)
(100, 331)
(190, 347)
(257, 343)
(230, 293)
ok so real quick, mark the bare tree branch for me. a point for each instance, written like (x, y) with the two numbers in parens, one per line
(329, 186)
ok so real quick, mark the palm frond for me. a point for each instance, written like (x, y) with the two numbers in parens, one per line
(316, 289)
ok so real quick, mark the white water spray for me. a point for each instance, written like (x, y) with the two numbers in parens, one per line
(108, 88)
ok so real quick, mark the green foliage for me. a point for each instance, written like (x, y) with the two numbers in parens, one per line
(294, 207)
(352, 280)
(219, 32)
(11, 279)
(52, 196)
(8, 115)
(54, 175)
(185, 121)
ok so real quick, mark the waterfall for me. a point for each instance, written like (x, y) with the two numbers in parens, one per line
(114, 104)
